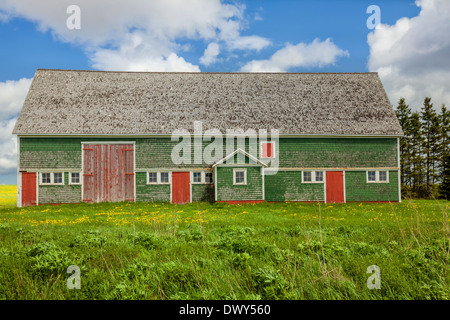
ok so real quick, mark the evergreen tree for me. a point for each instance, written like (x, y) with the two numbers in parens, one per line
(430, 143)
(403, 113)
(444, 118)
(417, 159)
(444, 188)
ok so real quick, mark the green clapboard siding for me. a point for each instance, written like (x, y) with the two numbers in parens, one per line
(151, 153)
(357, 189)
(288, 186)
(61, 193)
(226, 191)
(150, 192)
(203, 192)
(337, 152)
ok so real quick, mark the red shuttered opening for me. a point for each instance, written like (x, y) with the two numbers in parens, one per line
(29, 188)
(108, 172)
(181, 188)
(335, 186)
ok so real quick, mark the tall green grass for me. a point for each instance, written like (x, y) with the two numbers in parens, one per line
(220, 251)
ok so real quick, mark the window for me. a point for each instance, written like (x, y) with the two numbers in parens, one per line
(164, 177)
(158, 177)
(52, 178)
(307, 176)
(378, 176)
(319, 176)
(208, 177)
(46, 178)
(240, 176)
(268, 149)
(312, 177)
(74, 178)
(152, 177)
(202, 177)
(197, 177)
(382, 176)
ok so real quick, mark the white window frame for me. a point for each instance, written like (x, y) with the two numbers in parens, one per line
(313, 176)
(70, 178)
(377, 176)
(203, 177)
(158, 177)
(52, 179)
(245, 177)
(261, 150)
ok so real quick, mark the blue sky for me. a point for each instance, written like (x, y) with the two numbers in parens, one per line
(223, 36)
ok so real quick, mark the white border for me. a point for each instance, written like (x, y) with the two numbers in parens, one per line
(70, 178)
(245, 177)
(261, 150)
(377, 176)
(52, 178)
(399, 172)
(313, 176)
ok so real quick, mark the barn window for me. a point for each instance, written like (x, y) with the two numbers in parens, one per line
(208, 177)
(268, 149)
(382, 176)
(152, 177)
(312, 177)
(319, 176)
(307, 176)
(46, 178)
(197, 177)
(377, 176)
(371, 176)
(74, 178)
(58, 178)
(52, 178)
(240, 176)
(164, 177)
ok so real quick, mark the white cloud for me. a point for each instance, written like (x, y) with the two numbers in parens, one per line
(12, 96)
(412, 56)
(139, 34)
(316, 54)
(210, 55)
(8, 147)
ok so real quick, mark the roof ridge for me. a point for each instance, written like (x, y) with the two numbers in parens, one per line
(192, 72)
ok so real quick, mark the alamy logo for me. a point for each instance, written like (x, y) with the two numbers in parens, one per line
(373, 22)
(74, 281)
(189, 149)
(374, 281)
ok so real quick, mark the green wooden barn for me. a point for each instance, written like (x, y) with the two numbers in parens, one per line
(94, 136)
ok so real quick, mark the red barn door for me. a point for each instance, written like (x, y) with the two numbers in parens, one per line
(108, 172)
(335, 186)
(29, 188)
(181, 188)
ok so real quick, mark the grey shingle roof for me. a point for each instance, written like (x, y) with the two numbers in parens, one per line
(126, 103)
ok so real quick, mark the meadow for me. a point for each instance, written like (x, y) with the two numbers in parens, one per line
(220, 251)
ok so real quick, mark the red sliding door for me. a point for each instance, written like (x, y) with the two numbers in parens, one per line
(335, 186)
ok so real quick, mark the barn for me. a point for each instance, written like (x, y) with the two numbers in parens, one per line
(96, 136)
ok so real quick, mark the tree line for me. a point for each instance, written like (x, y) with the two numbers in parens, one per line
(424, 150)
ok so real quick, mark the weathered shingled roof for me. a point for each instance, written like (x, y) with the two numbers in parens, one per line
(64, 102)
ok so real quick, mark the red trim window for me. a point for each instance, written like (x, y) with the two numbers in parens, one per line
(268, 149)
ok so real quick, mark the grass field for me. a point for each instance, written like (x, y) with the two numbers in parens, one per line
(220, 251)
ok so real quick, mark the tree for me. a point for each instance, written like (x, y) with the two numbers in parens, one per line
(430, 144)
(444, 188)
(417, 159)
(403, 113)
(444, 118)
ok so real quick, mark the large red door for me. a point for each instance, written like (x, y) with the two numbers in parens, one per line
(29, 188)
(181, 188)
(108, 172)
(335, 186)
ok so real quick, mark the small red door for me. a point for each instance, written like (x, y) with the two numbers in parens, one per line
(28, 189)
(181, 189)
(335, 186)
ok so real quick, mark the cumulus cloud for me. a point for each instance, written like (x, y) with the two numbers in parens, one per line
(210, 54)
(133, 34)
(412, 56)
(315, 54)
(12, 96)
